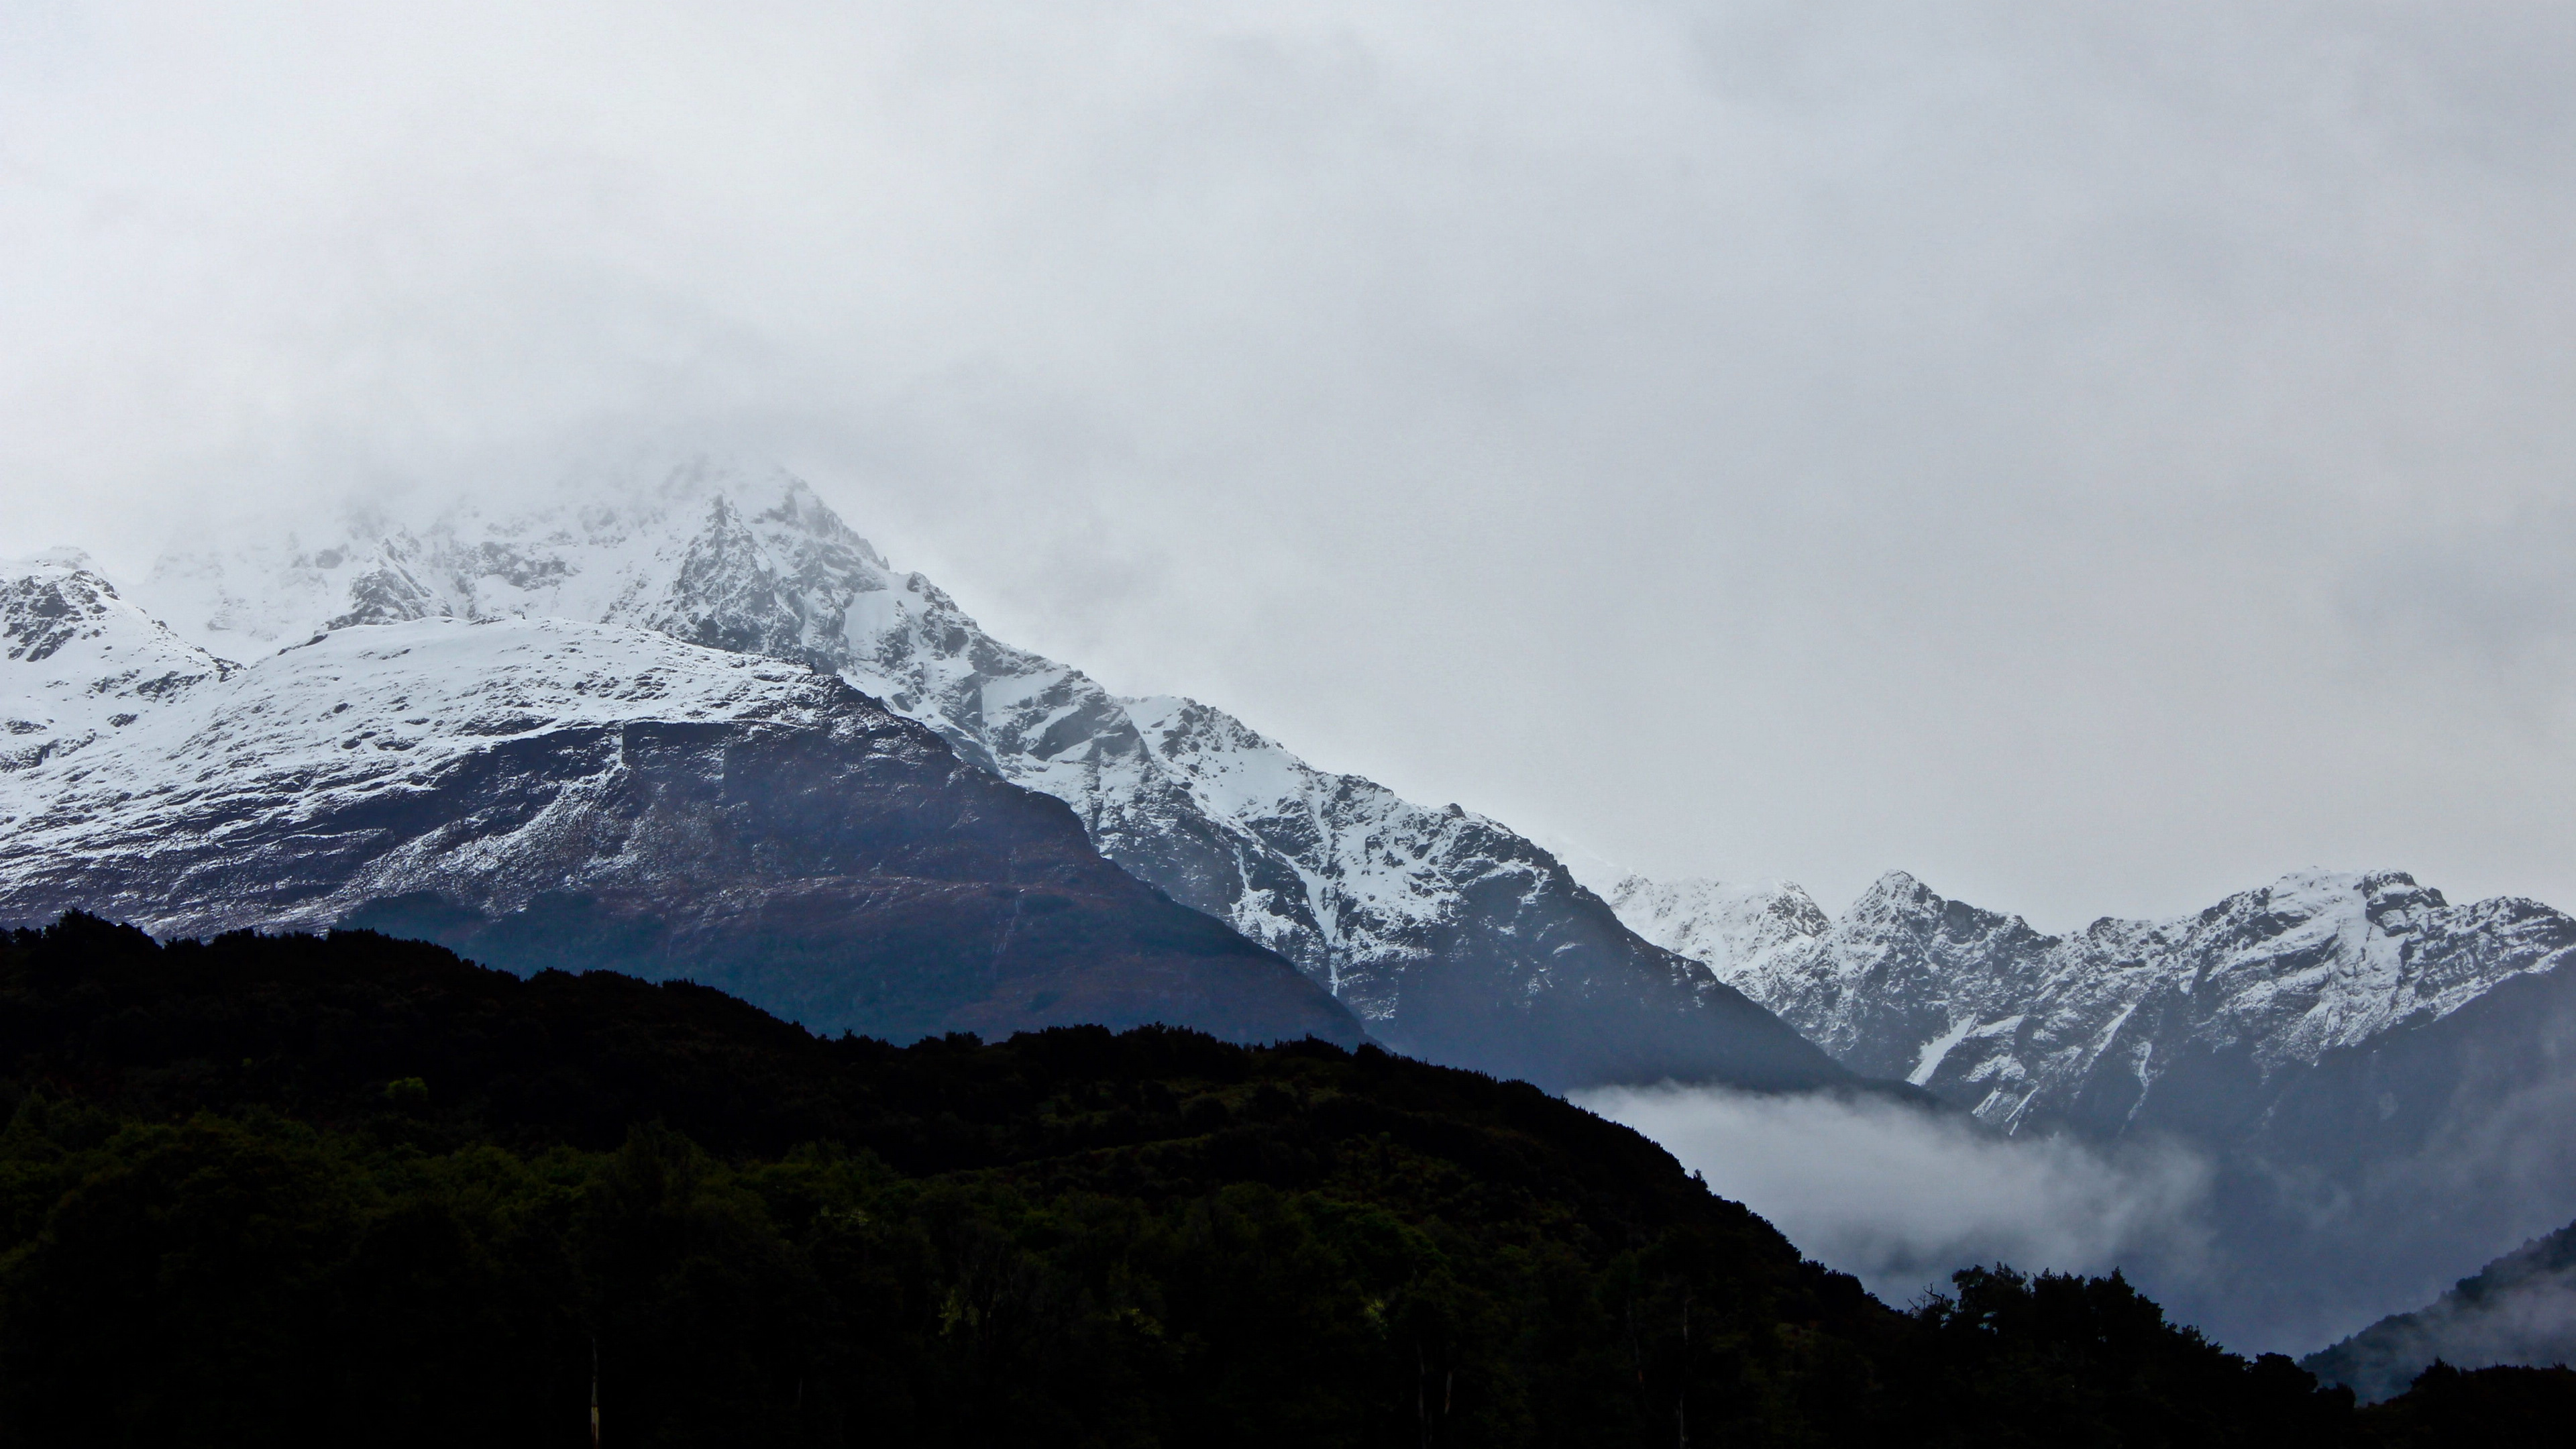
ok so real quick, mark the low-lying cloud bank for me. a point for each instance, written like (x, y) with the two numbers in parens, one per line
(1900, 1196)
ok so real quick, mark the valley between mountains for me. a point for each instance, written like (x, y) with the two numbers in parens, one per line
(700, 727)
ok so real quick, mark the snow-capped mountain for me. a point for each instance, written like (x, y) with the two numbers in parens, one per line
(1740, 930)
(551, 793)
(1450, 936)
(2385, 1081)
(82, 661)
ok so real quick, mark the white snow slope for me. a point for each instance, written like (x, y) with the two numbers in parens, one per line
(358, 720)
(81, 662)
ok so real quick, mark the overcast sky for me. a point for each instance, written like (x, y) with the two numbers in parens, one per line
(2092, 456)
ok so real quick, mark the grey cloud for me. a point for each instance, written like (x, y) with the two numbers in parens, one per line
(1756, 439)
(2491, 593)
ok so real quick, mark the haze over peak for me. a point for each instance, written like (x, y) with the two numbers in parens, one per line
(579, 547)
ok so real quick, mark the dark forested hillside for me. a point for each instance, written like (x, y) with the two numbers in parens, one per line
(266, 1189)
(2519, 1309)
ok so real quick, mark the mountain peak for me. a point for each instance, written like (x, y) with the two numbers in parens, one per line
(1897, 885)
(1898, 896)
(78, 660)
(710, 549)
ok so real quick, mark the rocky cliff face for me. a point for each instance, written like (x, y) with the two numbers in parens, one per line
(2385, 1081)
(544, 793)
(1449, 936)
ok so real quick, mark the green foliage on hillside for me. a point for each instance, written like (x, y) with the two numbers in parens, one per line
(263, 1190)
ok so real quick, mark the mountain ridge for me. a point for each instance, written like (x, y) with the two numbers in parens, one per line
(2312, 962)
(1449, 935)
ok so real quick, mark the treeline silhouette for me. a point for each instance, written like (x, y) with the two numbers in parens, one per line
(277, 1189)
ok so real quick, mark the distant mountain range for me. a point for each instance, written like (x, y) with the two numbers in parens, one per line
(1446, 935)
(2385, 1082)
